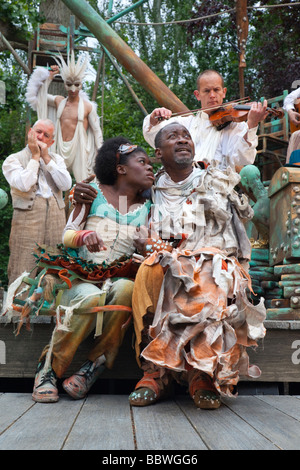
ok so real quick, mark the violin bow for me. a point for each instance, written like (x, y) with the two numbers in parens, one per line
(182, 113)
(240, 100)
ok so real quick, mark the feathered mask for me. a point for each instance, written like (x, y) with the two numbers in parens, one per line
(72, 71)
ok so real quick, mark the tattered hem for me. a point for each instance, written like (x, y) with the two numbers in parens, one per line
(204, 319)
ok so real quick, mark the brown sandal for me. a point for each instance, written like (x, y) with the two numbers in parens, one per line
(203, 392)
(143, 397)
(147, 391)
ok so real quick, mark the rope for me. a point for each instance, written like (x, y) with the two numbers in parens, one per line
(191, 20)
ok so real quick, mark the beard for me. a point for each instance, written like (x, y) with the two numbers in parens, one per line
(183, 162)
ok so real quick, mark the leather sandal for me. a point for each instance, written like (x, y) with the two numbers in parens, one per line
(203, 392)
(207, 399)
(147, 391)
(143, 396)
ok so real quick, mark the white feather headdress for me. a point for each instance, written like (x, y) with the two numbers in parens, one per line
(73, 70)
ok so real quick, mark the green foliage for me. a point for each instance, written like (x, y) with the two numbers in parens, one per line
(12, 139)
(272, 51)
(12, 131)
(21, 14)
(5, 223)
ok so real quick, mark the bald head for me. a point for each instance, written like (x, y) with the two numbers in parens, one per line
(207, 73)
(210, 90)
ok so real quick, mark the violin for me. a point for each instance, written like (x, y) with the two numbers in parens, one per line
(224, 115)
(295, 127)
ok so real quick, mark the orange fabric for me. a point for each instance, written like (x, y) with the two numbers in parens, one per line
(200, 382)
(202, 318)
(149, 381)
(145, 295)
(63, 274)
(224, 265)
(98, 273)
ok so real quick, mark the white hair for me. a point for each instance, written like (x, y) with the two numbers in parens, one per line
(72, 70)
(46, 121)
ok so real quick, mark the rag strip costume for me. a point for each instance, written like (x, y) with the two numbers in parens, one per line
(94, 279)
(39, 209)
(190, 306)
(210, 143)
(79, 153)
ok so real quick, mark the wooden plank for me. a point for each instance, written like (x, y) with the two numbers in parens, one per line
(273, 424)
(12, 406)
(276, 355)
(289, 405)
(23, 351)
(287, 269)
(163, 426)
(44, 426)
(283, 314)
(222, 429)
(104, 423)
(280, 303)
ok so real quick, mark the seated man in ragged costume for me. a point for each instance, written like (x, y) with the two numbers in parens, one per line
(193, 320)
(103, 234)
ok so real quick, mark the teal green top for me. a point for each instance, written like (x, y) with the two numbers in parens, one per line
(101, 208)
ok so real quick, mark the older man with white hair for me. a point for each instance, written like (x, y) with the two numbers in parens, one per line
(37, 178)
(79, 135)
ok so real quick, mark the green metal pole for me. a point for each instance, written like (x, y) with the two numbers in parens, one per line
(113, 18)
(125, 55)
(123, 12)
(110, 5)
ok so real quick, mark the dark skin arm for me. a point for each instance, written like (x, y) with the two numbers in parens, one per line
(84, 193)
(94, 243)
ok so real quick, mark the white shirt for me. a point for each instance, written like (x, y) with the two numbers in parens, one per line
(289, 100)
(23, 178)
(228, 146)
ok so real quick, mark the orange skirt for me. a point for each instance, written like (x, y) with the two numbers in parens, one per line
(202, 318)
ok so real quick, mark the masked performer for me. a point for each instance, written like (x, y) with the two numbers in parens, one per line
(78, 131)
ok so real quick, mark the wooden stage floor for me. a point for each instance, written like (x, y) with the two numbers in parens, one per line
(108, 423)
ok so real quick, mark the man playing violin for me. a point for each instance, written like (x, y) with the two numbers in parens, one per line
(291, 105)
(235, 145)
(292, 110)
